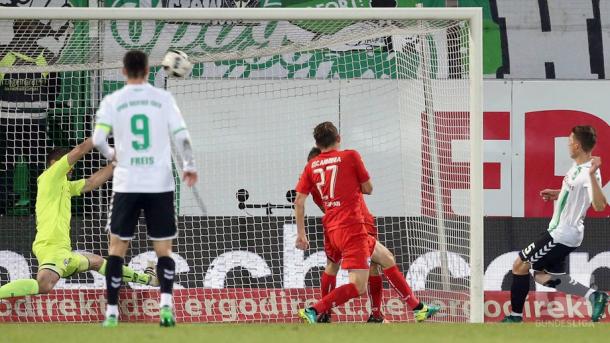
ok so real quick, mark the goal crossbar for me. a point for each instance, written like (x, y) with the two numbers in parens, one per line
(469, 13)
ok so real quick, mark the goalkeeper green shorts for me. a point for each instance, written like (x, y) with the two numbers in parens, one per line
(62, 261)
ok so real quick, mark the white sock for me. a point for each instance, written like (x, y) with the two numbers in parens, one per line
(166, 300)
(589, 292)
(515, 314)
(112, 310)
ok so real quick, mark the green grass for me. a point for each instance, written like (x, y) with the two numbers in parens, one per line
(269, 333)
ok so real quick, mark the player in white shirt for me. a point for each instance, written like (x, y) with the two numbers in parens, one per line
(143, 119)
(580, 189)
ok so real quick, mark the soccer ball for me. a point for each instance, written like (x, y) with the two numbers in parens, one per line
(176, 63)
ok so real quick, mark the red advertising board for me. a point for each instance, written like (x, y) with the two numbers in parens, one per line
(204, 305)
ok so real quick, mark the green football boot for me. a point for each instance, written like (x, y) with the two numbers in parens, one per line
(512, 319)
(110, 322)
(308, 315)
(166, 316)
(426, 312)
(598, 300)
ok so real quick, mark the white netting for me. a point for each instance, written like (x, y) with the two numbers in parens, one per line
(398, 91)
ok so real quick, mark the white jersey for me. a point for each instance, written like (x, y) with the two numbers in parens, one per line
(142, 119)
(571, 206)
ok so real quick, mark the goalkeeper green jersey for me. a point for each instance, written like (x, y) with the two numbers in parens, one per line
(53, 205)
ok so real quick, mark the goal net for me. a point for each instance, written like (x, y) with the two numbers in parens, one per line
(399, 90)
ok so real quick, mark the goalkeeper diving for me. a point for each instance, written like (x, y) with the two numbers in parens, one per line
(52, 246)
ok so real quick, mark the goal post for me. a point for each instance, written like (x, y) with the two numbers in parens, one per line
(404, 86)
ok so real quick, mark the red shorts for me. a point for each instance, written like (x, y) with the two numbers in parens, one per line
(332, 254)
(352, 245)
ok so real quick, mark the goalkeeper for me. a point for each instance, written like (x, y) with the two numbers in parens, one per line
(52, 244)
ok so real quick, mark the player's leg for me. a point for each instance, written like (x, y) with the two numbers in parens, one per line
(19, 288)
(149, 277)
(355, 251)
(375, 294)
(161, 227)
(124, 212)
(554, 275)
(166, 269)
(114, 277)
(356, 287)
(328, 282)
(383, 257)
(375, 282)
(53, 264)
(45, 281)
(518, 290)
(528, 258)
(328, 279)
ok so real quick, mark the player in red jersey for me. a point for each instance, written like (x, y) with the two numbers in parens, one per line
(333, 259)
(340, 177)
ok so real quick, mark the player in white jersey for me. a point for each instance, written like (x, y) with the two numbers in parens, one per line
(143, 119)
(581, 188)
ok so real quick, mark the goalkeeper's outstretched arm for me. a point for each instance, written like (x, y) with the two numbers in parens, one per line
(98, 178)
(79, 151)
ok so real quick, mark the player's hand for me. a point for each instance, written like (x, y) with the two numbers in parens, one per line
(190, 178)
(302, 243)
(549, 194)
(596, 161)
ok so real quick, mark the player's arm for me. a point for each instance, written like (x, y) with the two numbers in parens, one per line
(58, 170)
(98, 178)
(550, 194)
(299, 213)
(103, 127)
(303, 189)
(79, 151)
(366, 186)
(598, 200)
(182, 138)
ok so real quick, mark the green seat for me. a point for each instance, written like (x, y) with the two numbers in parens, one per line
(21, 187)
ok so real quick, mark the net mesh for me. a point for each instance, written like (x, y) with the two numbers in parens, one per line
(398, 91)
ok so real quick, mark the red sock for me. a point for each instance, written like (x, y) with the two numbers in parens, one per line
(398, 282)
(337, 297)
(375, 294)
(328, 283)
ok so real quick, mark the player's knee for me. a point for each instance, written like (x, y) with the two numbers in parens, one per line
(552, 282)
(95, 262)
(331, 268)
(391, 258)
(163, 248)
(45, 284)
(520, 267)
(361, 287)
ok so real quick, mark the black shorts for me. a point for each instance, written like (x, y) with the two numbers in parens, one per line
(546, 255)
(158, 210)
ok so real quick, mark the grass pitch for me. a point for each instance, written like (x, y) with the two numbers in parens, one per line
(268, 333)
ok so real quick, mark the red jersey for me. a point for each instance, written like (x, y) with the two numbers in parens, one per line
(337, 177)
(368, 216)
